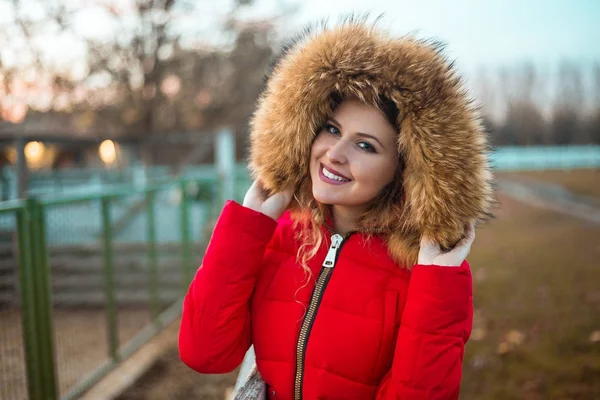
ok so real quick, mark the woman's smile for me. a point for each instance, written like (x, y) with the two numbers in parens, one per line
(331, 176)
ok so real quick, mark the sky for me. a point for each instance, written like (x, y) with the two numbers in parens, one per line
(478, 33)
(486, 32)
(481, 35)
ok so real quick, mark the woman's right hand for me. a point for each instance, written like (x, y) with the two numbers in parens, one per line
(272, 206)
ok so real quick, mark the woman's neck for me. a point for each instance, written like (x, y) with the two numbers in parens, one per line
(344, 220)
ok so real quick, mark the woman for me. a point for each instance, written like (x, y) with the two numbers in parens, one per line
(361, 289)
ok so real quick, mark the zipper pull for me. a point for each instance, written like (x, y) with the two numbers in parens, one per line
(336, 240)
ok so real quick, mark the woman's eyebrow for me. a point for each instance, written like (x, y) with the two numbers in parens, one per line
(370, 136)
(361, 134)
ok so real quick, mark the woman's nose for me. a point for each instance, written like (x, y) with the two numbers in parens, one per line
(337, 152)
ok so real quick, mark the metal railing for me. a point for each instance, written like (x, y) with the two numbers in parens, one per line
(80, 291)
(521, 158)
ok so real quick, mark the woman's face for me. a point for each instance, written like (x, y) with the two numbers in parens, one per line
(353, 157)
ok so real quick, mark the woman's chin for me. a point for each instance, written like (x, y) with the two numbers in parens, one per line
(323, 198)
(332, 194)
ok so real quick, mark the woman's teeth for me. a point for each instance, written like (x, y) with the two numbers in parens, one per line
(333, 176)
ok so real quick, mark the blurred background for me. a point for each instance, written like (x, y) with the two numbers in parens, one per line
(124, 127)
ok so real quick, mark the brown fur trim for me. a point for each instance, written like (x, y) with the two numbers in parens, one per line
(446, 182)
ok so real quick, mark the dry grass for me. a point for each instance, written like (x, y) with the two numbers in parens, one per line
(581, 181)
(537, 304)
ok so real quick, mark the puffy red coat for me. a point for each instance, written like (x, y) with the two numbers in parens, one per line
(373, 330)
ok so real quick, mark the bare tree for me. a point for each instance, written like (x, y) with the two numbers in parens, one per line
(593, 125)
(159, 66)
(566, 122)
(524, 123)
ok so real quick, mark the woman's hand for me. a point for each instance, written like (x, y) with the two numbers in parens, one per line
(431, 254)
(273, 206)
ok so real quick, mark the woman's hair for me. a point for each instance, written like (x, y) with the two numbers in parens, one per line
(314, 213)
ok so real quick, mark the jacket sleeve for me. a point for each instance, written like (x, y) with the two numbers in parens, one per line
(215, 324)
(436, 324)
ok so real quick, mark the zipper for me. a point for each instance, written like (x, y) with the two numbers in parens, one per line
(327, 268)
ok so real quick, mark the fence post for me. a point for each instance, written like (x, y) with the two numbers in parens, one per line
(225, 160)
(152, 272)
(111, 310)
(186, 271)
(42, 297)
(28, 304)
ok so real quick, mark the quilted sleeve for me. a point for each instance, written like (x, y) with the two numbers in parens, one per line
(215, 324)
(436, 324)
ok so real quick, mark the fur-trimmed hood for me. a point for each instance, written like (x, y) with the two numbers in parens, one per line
(446, 181)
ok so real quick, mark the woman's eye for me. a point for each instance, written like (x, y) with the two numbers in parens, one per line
(332, 129)
(366, 146)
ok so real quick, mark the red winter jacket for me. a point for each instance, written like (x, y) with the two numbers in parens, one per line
(373, 331)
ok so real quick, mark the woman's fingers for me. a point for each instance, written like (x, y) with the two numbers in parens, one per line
(276, 204)
(261, 193)
(255, 196)
(286, 196)
(469, 237)
(428, 250)
(429, 244)
(258, 199)
(431, 253)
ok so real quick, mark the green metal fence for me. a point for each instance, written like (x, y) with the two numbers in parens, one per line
(86, 280)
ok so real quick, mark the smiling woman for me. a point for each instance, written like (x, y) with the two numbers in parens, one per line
(353, 158)
(349, 275)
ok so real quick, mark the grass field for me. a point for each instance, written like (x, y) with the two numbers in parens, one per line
(537, 321)
(537, 300)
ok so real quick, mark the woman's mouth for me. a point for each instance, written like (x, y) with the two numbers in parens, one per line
(331, 177)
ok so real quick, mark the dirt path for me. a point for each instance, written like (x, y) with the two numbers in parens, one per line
(581, 182)
(553, 197)
(170, 379)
